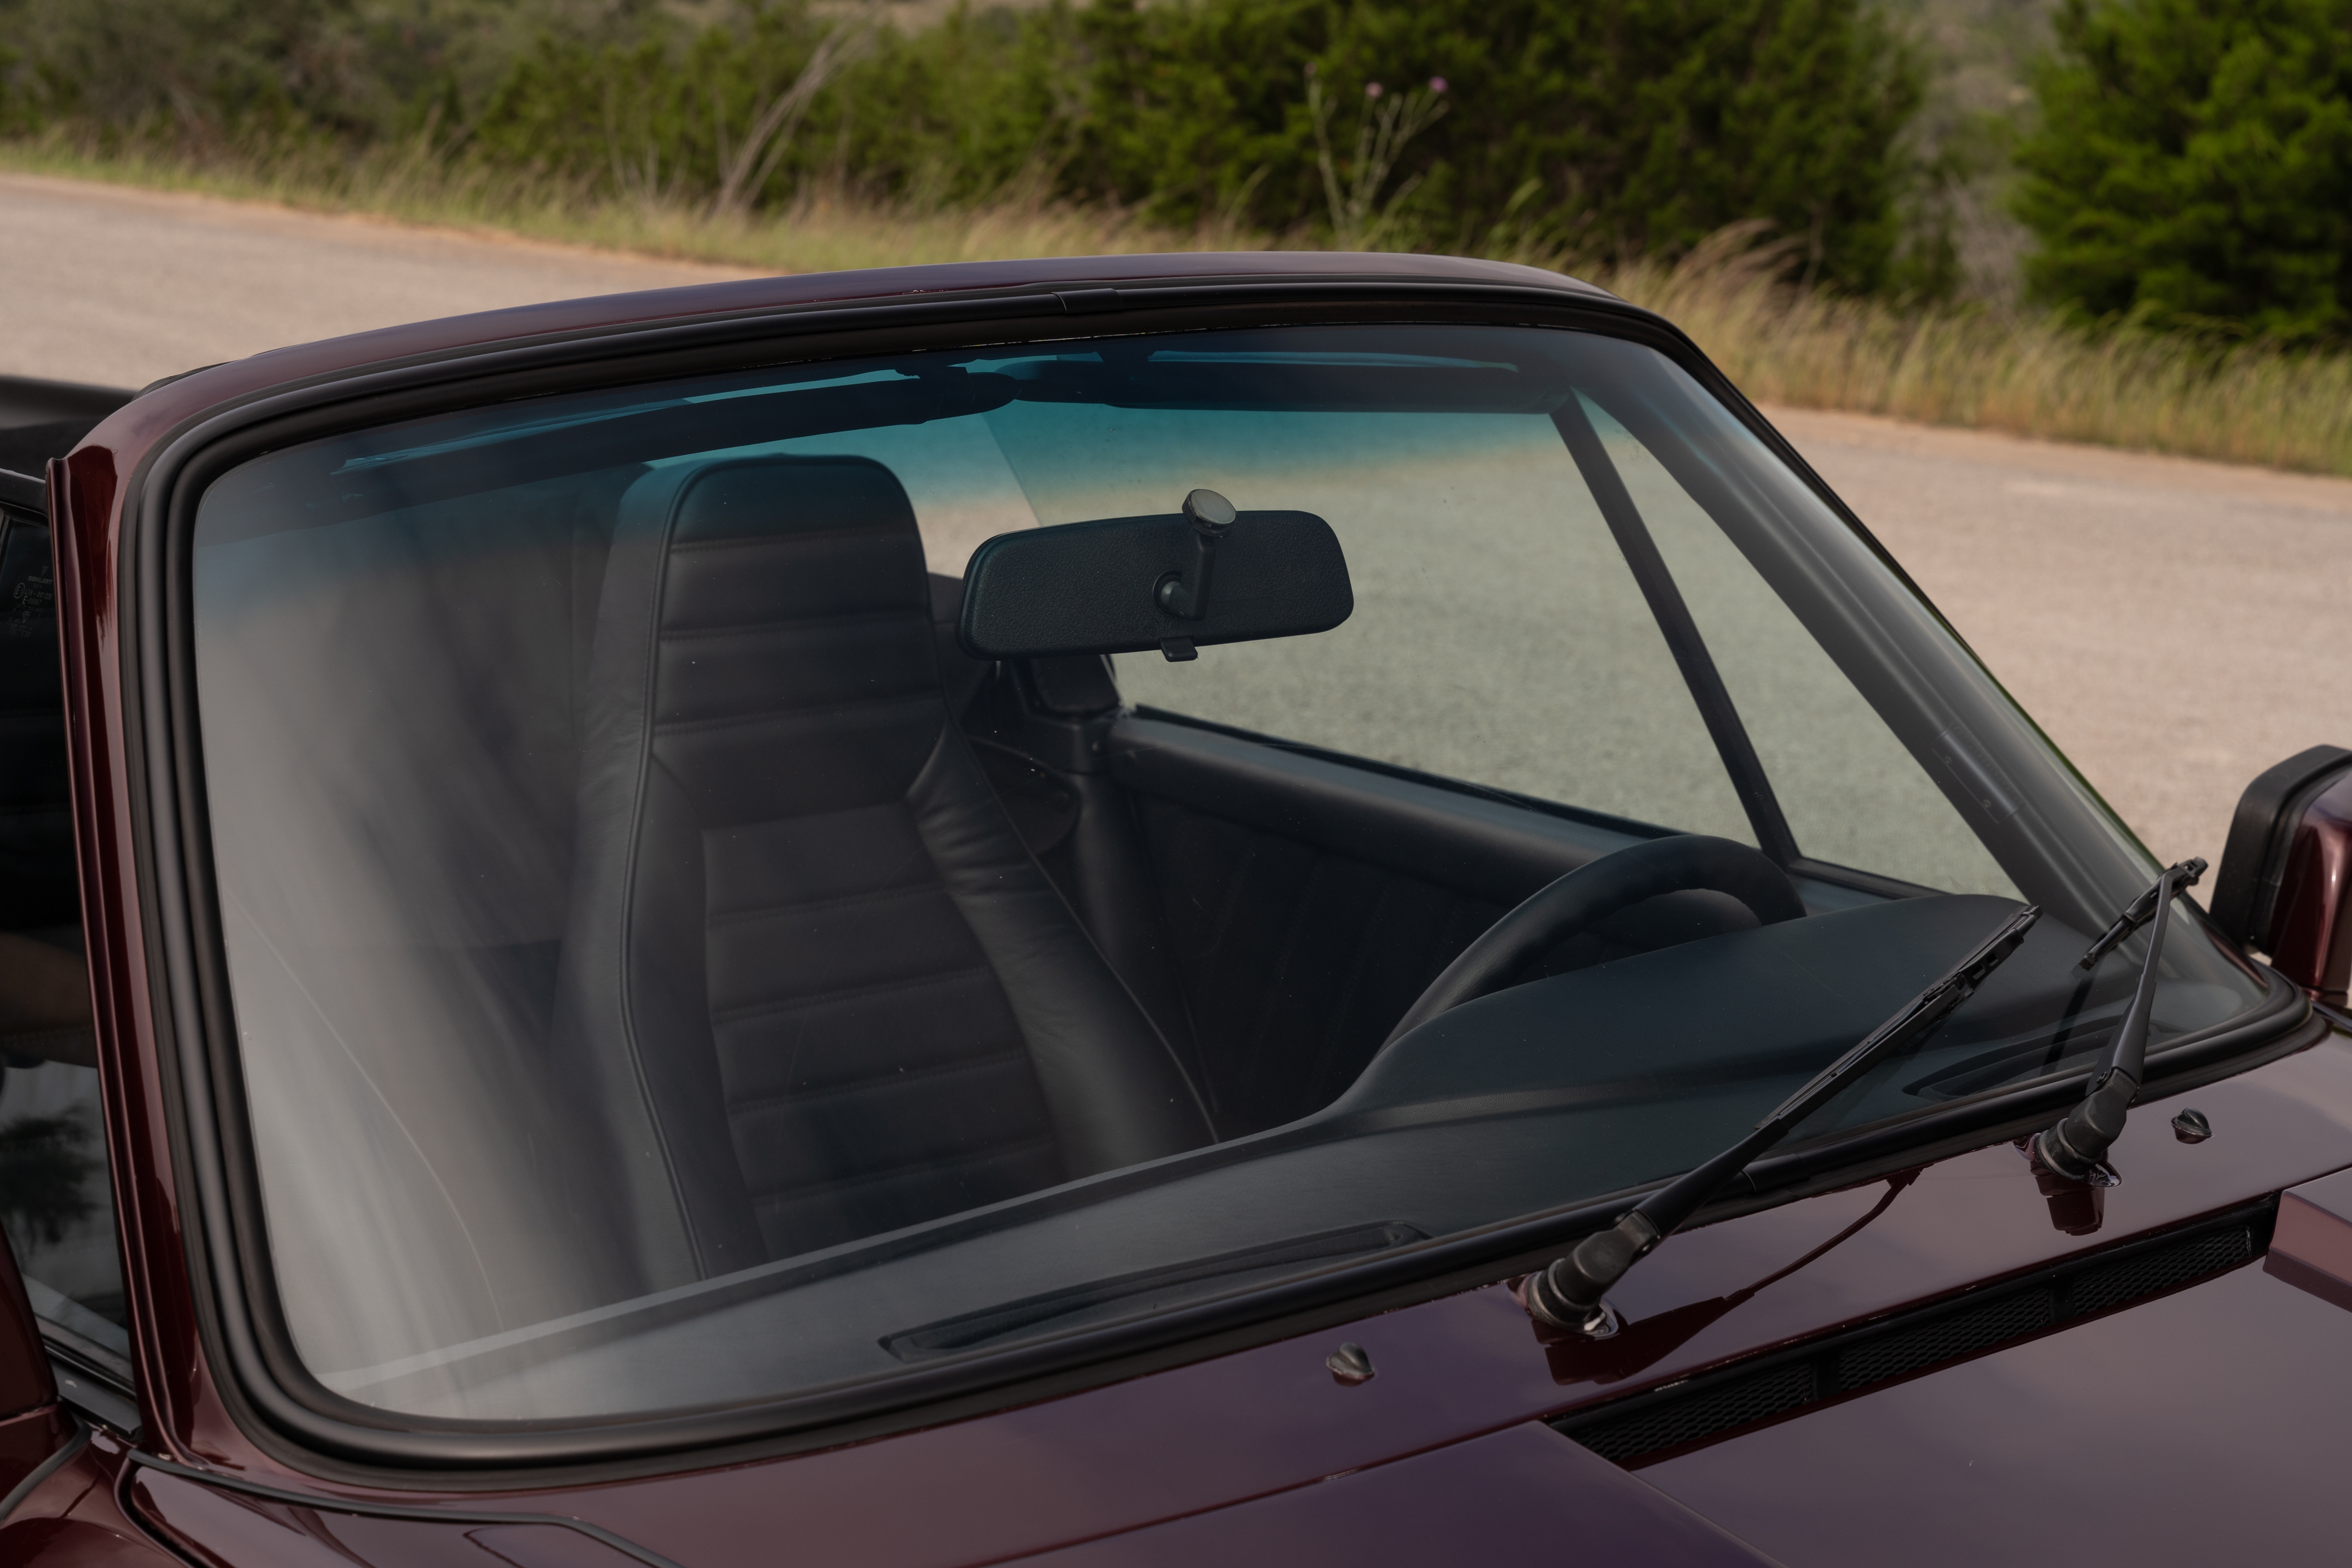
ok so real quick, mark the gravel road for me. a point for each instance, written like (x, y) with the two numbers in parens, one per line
(2176, 626)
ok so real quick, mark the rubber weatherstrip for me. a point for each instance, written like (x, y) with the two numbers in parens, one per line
(47, 1468)
(1681, 631)
(327, 1504)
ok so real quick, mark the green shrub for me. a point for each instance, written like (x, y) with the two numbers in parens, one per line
(2193, 166)
(208, 73)
(664, 109)
(1612, 129)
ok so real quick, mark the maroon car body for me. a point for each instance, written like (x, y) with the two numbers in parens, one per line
(2193, 1410)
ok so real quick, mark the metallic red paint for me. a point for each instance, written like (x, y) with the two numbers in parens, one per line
(27, 1440)
(1191, 1442)
(175, 1397)
(1974, 1217)
(2312, 1246)
(26, 1384)
(2311, 932)
(1525, 1494)
(1523, 1489)
(73, 1519)
(2205, 1426)
(1199, 1438)
(224, 1529)
(180, 1406)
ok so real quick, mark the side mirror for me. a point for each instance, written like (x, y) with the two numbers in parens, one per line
(2286, 883)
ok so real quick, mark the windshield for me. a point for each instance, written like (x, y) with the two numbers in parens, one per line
(728, 892)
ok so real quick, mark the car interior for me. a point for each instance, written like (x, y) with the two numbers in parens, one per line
(642, 875)
(860, 930)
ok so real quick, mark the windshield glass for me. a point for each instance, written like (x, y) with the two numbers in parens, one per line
(726, 890)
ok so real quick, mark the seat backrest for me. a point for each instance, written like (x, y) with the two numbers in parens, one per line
(812, 979)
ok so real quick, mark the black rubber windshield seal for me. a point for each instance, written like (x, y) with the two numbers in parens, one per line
(264, 1381)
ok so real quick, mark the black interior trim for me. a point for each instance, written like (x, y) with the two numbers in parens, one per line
(399, 478)
(44, 419)
(1485, 846)
(1812, 876)
(970, 1330)
(92, 1392)
(1806, 868)
(101, 1362)
(26, 491)
(1588, 895)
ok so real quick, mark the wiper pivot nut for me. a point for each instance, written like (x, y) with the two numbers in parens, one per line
(2074, 1147)
(1567, 1295)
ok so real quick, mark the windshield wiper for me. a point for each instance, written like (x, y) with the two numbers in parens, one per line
(2074, 1147)
(1569, 1293)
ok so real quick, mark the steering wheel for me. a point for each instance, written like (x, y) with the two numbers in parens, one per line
(1592, 894)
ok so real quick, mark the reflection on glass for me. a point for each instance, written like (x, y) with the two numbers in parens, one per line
(668, 971)
(56, 1205)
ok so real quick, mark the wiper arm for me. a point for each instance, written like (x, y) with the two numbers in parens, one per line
(1569, 1293)
(2074, 1147)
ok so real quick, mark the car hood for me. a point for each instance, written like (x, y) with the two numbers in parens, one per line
(2159, 1420)
(2207, 1425)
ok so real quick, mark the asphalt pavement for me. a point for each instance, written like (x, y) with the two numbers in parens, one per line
(2176, 626)
(118, 286)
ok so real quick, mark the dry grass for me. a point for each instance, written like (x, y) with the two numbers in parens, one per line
(819, 235)
(2026, 374)
(2031, 375)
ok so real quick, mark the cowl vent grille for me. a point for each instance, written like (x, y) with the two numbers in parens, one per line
(1646, 1425)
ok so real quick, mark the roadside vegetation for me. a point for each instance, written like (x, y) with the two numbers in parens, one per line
(1787, 179)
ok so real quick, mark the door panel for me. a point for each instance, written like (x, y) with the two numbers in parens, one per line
(1298, 960)
(1308, 902)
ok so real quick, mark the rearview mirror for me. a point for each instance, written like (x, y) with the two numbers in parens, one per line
(1179, 581)
(2286, 883)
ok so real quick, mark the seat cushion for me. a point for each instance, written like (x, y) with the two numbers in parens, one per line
(820, 988)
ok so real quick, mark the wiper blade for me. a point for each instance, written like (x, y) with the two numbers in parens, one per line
(2143, 909)
(2074, 1147)
(1568, 1294)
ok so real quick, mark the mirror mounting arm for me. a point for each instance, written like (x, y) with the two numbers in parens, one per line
(1186, 595)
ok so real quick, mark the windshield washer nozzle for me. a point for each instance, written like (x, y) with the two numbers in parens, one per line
(1351, 1363)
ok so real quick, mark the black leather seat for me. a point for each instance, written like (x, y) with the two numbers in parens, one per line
(818, 987)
